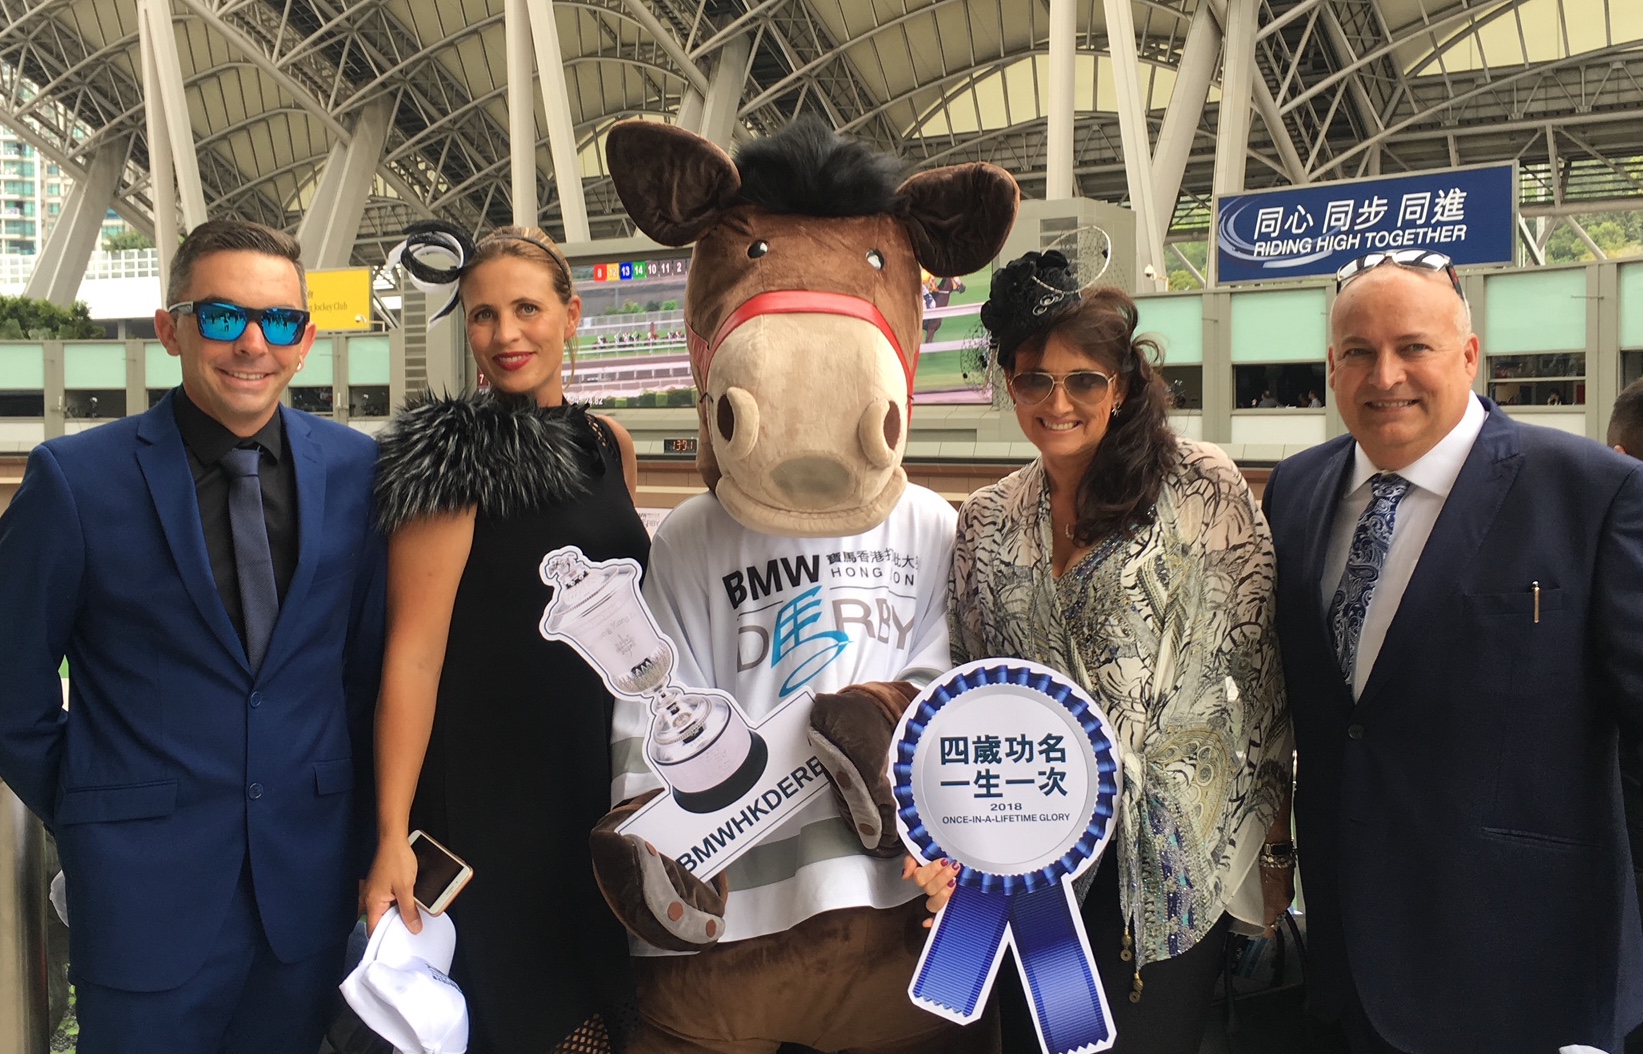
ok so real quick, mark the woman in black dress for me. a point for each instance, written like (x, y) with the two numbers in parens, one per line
(492, 739)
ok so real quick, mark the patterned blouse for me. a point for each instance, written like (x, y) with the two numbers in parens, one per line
(1169, 627)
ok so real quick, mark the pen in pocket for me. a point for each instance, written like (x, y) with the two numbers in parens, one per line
(1536, 587)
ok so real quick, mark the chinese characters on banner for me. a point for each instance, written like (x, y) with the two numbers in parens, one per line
(1005, 762)
(1300, 232)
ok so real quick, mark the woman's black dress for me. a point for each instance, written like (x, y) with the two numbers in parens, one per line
(518, 771)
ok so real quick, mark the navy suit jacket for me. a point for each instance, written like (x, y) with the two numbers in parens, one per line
(1460, 826)
(174, 766)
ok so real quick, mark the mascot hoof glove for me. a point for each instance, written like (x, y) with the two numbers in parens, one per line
(654, 896)
(851, 734)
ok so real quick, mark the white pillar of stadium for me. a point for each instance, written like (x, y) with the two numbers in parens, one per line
(163, 85)
(521, 112)
(1186, 109)
(162, 180)
(63, 258)
(567, 168)
(1058, 139)
(331, 224)
(1132, 126)
(1237, 82)
(724, 91)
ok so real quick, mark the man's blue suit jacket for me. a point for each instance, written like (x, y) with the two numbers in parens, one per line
(174, 763)
(1460, 829)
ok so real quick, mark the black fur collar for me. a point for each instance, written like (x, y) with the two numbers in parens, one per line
(499, 455)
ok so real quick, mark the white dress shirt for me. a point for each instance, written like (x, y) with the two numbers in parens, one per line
(1432, 476)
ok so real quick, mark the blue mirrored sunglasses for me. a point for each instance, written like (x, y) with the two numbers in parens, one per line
(221, 320)
(1419, 259)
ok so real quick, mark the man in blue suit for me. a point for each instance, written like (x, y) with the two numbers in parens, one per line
(210, 570)
(1460, 606)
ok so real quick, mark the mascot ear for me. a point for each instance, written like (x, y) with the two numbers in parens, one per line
(673, 183)
(959, 216)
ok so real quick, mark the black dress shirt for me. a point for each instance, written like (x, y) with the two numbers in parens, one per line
(207, 440)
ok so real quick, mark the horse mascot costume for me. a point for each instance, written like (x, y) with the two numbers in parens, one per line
(812, 564)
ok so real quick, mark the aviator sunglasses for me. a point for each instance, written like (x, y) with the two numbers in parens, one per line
(1418, 259)
(221, 320)
(1031, 387)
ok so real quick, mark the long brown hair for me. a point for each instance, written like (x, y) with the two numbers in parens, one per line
(1120, 486)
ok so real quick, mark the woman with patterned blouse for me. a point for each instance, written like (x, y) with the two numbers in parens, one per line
(1137, 563)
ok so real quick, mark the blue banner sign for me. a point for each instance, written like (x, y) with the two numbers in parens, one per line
(1306, 232)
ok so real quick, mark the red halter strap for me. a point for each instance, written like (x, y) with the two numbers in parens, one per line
(794, 302)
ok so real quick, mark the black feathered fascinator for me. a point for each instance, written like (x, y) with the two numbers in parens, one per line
(427, 244)
(1027, 295)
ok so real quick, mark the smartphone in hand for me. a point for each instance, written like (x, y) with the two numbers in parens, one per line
(440, 873)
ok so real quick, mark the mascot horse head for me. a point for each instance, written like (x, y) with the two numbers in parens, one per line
(803, 306)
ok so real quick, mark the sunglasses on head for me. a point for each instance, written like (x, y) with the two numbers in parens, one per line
(1417, 259)
(1031, 387)
(221, 320)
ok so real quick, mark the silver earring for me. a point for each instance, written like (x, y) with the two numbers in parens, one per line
(1115, 407)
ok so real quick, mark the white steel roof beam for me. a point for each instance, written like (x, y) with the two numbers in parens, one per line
(1238, 75)
(1186, 109)
(1132, 127)
(567, 169)
(516, 30)
(1058, 147)
(163, 88)
(63, 258)
(331, 222)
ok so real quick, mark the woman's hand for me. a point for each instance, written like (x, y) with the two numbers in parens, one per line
(392, 881)
(1277, 894)
(937, 879)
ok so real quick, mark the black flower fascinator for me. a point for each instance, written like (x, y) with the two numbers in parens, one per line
(427, 245)
(1027, 296)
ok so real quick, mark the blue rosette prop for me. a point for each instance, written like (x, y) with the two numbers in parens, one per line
(1008, 769)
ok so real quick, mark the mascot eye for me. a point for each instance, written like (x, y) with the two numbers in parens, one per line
(875, 259)
(758, 249)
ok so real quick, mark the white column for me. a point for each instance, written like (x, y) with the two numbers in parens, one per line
(1186, 110)
(724, 91)
(331, 224)
(1132, 126)
(1237, 82)
(567, 169)
(1058, 139)
(516, 22)
(62, 261)
(166, 89)
(162, 179)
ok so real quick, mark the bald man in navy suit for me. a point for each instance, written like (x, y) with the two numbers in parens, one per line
(1460, 606)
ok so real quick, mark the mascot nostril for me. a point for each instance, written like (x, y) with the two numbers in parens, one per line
(727, 420)
(738, 422)
(878, 431)
(812, 482)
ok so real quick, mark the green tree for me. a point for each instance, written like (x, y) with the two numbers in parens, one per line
(127, 240)
(27, 318)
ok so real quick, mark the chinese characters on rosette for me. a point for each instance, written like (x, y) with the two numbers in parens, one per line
(1422, 218)
(1000, 762)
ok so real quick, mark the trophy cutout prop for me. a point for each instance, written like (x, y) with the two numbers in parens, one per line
(1008, 769)
(729, 784)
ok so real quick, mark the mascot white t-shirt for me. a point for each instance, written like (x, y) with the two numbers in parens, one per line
(763, 617)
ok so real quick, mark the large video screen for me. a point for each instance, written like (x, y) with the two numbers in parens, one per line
(631, 348)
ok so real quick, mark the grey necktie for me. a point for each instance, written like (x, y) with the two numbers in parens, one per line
(253, 560)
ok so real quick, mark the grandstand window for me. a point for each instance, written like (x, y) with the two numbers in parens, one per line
(1177, 324)
(1279, 342)
(1536, 338)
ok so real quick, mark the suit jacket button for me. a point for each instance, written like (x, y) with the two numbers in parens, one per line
(1354, 731)
(254, 791)
(256, 700)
